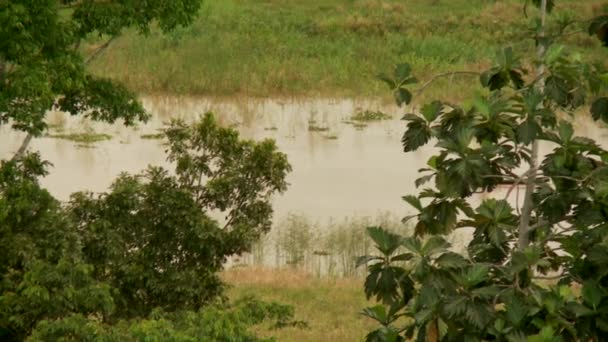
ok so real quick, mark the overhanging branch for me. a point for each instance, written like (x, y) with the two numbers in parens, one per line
(99, 50)
(447, 74)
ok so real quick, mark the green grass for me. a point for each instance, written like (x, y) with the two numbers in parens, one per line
(325, 47)
(82, 138)
(330, 306)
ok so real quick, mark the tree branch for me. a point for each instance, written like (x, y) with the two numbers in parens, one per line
(524, 223)
(447, 74)
(99, 50)
(23, 147)
(29, 136)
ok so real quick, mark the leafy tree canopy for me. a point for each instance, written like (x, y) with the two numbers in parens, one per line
(535, 272)
(148, 245)
(42, 68)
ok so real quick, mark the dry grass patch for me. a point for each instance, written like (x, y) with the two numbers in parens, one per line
(329, 305)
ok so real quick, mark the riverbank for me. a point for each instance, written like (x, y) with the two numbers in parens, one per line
(330, 306)
(324, 47)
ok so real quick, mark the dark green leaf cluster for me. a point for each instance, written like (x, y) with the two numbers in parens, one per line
(41, 67)
(492, 291)
(148, 245)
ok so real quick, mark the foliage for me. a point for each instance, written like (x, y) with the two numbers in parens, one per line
(41, 67)
(213, 323)
(148, 245)
(42, 275)
(152, 238)
(428, 292)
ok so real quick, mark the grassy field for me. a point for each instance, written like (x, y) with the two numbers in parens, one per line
(330, 306)
(325, 47)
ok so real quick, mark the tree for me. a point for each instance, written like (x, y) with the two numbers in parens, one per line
(148, 245)
(493, 292)
(42, 68)
(141, 261)
(42, 275)
(152, 237)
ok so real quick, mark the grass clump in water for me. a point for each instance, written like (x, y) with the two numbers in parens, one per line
(370, 115)
(152, 136)
(82, 138)
(315, 128)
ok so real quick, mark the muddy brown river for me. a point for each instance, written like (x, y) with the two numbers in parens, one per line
(340, 172)
(346, 171)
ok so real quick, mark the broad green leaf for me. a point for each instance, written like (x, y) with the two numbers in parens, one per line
(528, 131)
(402, 71)
(377, 313)
(565, 131)
(599, 109)
(416, 135)
(599, 28)
(413, 201)
(386, 79)
(434, 245)
(451, 260)
(386, 242)
(592, 293)
(431, 111)
(402, 96)
(402, 257)
(364, 260)
(412, 244)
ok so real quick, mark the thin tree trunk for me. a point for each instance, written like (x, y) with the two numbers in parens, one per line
(432, 334)
(2, 69)
(23, 147)
(524, 223)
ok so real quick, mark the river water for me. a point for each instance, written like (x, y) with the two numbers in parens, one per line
(340, 172)
(346, 171)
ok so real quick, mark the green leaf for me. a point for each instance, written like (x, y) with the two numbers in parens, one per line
(528, 131)
(565, 131)
(592, 293)
(416, 135)
(413, 201)
(412, 244)
(377, 313)
(599, 28)
(364, 260)
(403, 96)
(599, 109)
(386, 79)
(402, 257)
(434, 245)
(402, 71)
(550, 4)
(451, 260)
(423, 180)
(386, 242)
(432, 110)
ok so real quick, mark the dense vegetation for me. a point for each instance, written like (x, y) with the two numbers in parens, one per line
(326, 47)
(535, 272)
(142, 261)
(139, 262)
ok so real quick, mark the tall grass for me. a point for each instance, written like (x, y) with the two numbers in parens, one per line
(322, 47)
(322, 249)
(330, 306)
